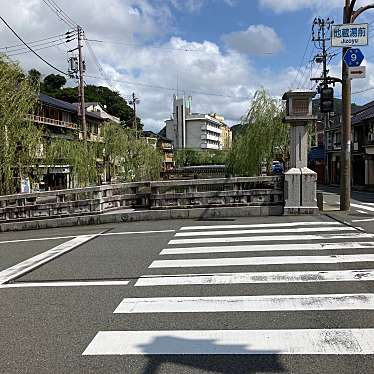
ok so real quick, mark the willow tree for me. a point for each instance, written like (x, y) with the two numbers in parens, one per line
(80, 156)
(263, 138)
(128, 158)
(20, 139)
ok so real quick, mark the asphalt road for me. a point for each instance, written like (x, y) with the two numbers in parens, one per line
(361, 214)
(249, 295)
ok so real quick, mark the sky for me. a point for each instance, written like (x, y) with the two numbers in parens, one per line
(218, 51)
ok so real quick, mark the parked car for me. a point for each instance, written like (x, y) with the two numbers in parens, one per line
(277, 168)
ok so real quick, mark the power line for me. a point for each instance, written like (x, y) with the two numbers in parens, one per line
(96, 61)
(171, 88)
(162, 48)
(60, 13)
(35, 53)
(304, 75)
(33, 42)
(36, 49)
(301, 62)
(36, 46)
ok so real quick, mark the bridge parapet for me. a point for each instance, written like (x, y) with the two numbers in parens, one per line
(181, 194)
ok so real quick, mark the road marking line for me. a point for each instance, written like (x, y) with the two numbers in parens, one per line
(256, 277)
(34, 262)
(64, 284)
(267, 303)
(363, 220)
(261, 225)
(136, 232)
(266, 231)
(369, 208)
(272, 238)
(293, 342)
(362, 212)
(267, 247)
(77, 236)
(271, 260)
(37, 239)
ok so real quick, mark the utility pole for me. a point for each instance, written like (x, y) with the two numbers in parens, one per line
(321, 37)
(349, 16)
(134, 102)
(81, 66)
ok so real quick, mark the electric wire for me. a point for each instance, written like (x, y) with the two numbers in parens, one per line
(163, 48)
(171, 88)
(60, 13)
(36, 49)
(301, 63)
(34, 52)
(37, 46)
(96, 61)
(36, 41)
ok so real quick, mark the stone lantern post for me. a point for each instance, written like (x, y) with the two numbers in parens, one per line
(300, 183)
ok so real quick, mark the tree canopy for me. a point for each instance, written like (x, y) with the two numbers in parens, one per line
(263, 137)
(19, 139)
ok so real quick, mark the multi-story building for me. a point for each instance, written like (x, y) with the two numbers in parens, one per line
(165, 145)
(226, 136)
(60, 120)
(362, 147)
(189, 130)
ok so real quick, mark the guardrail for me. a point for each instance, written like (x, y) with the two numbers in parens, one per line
(222, 192)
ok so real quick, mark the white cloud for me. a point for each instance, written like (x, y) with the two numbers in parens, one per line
(194, 6)
(142, 65)
(321, 6)
(257, 39)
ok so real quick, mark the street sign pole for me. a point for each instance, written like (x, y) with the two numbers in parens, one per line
(349, 16)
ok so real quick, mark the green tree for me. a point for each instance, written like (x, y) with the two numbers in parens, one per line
(128, 158)
(20, 139)
(35, 77)
(82, 158)
(263, 137)
(52, 84)
(194, 157)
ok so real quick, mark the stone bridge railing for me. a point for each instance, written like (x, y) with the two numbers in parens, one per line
(202, 193)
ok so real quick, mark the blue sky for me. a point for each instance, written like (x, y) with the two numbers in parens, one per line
(211, 49)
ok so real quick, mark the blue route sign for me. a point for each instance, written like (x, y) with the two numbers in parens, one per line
(353, 57)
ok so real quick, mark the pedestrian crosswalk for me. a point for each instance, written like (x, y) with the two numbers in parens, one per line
(289, 269)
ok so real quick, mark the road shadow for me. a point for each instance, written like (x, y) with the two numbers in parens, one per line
(208, 357)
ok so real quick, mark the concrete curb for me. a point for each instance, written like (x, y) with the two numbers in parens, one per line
(144, 215)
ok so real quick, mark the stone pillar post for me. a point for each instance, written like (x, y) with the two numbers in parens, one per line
(300, 184)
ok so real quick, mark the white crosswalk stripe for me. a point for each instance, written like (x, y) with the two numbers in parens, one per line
(268, 260)
(265, 231)
(268, 247)
(343, 257)
(257, 277)
(272, 238)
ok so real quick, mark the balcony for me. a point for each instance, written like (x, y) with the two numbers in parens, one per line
(207, 127)
(52, 122)
(210, 137)
(209, 146)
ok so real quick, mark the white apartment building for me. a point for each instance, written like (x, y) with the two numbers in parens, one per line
(192, 130)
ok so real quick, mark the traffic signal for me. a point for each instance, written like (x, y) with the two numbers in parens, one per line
(326, 99)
